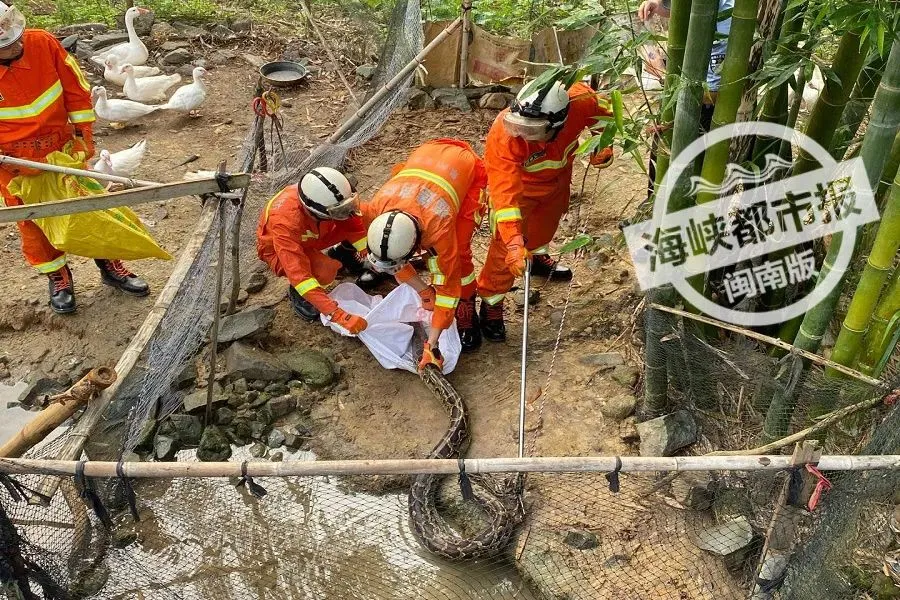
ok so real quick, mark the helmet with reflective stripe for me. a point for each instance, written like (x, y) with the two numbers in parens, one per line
(392, 239)
(12, 25)
(323, 190)
(541, 110)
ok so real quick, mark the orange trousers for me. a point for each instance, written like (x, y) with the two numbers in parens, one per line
(322, 267)
(541, 214)
(467, 222)
(36, 248)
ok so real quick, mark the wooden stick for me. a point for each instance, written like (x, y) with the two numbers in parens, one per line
(78, 434)
(814, 358)
(327, 46)
(42, 166)
(60, 407)
(464, 45)
(580, 464)
(144, 195)
(217, 311)
(394, 82)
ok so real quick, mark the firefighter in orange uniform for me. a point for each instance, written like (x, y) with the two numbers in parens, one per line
(298, 228)
(45, 106)
(433, 203)
(529, 153)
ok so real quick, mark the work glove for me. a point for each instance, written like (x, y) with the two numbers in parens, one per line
(348, 321)
(516, 255)
(431, 356)
(602, 158)
(428, 296)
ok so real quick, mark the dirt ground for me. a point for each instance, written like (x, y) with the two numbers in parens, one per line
(373, 413)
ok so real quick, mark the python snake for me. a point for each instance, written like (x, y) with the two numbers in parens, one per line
(500, 501)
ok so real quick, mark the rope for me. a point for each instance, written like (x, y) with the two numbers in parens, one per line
(266, 105)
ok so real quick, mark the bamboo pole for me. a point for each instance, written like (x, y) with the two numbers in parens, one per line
(464, 45)
(814, 358)
(60, 407)
(394, 82)
(217, 315)
(31, 164)
(416, 466)
(144, 195)
(78, 434)
(327, 46)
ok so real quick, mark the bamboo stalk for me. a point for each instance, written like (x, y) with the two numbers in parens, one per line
(78, 434)
(814, 358)
(327, 46)
(31, 164)
(135, 197)
(464, 44)
(217, 315)
(859, 103)
(394, 82)
(60, 407)
(570, 464)
(878, 336)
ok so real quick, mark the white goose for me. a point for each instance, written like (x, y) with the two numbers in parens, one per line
(112, 71)
(811, 90)
(188, 98)
(133, 51)
(123, 163)
(147, 89)
(118, 111)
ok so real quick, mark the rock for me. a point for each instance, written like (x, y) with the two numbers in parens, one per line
(256, 283)
(164, 447)
(732, 540)
(246, 323)
(122, 538)
(162, 31)
(40, 387)
(257, 386)
(665, 435)
(4, 372)
(214, 445)
(105, 40)
(276, 439)
(451, 98)
(171, 45)
(254, 60)
(693, 490)
(276, 456)
(242, 25)
(519, 297)
(143, 24)
(240, 386)
(196, 401)
(245, 362)
(366, 71)
(282, 405)
(186, 377)
(224, 416)
(603, 359)
(619, 407)
(581, 539)
(145, 437)
(176, 58)
(185, 429)
(311, 367)
(221, 57)
(496, 100)
(616, 561)
(259, 401)
(258, 450)
(188, 32)
(257, 430)
(625, 375)
(66, 30)
(276, 389)
(220, 32)
(264, 415)
(417, 99)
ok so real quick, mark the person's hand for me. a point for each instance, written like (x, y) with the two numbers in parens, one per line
(348, 321)
(516, 255)
(602, 158)
(431, 356)
(648, 8)
(428, 296)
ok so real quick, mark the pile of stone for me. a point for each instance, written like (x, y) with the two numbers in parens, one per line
(496, 97)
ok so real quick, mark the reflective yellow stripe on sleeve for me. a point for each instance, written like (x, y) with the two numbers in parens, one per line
(73, 64)
(468, 278)
(82, 116)
(493, 300)
(40, 104)
(553, 164)
(360, 244)
(435, 179)
(437, 277)
(307, 285)
(445, 301)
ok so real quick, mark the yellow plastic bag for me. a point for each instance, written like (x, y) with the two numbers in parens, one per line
(113, 233)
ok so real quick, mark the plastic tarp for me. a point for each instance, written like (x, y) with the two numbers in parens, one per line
(390, 334)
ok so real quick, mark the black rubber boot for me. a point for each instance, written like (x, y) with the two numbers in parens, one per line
(467, 324)
(62, 291)
(544, 266)
(349, 258)
(492, 325)
(302, 308)
(113, 273)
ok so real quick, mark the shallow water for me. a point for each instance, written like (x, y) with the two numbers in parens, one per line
(12, 420)
(284, 75)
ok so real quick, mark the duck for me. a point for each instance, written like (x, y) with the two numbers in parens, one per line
(133, 51)
(123, 163)
(147, 89)
(112, 71)
(188, 98)
(118, 111)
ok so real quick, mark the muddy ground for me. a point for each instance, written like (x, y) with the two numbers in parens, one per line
(373, 413)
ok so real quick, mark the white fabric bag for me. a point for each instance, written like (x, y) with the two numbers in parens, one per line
(389, 336)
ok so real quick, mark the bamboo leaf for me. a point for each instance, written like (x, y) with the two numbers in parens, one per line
(579, 241)
(598, 141)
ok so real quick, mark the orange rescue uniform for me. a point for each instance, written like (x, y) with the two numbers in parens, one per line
(441, 186)
(45, 101)
(529, 186)
(291, 240)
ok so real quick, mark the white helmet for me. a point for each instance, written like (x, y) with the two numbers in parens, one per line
(327, 193)
(538, 112)
(12, 25)
(392, 239)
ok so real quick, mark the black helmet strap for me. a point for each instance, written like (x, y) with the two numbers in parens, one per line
(328, 185)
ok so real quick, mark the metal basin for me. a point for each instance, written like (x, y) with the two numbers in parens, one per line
(283, 73)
